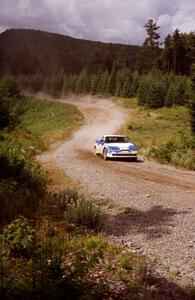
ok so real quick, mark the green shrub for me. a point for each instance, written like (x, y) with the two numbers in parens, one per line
(9, 87)
(9, 97)
(66, 197)
(22, 183)
(20, 237)
(184, 158)
(80, 211)
(180, 153)
(164, 154)
(82, 254)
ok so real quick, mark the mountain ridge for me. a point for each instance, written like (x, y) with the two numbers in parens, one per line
(26, 51)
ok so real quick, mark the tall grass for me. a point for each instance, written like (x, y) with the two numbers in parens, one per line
(162, 134)
(149, 127)
(47, 121)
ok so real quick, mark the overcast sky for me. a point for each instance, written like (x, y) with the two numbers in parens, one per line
(104, 20)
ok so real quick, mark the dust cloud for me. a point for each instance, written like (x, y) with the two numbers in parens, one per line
(102, 116)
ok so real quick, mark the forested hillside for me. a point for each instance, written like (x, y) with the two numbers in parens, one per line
(31, 51)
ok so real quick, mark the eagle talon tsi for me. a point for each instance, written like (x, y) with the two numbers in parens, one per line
(115, 146)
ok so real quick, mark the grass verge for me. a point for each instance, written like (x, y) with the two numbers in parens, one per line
(162, 134)
(43, 122)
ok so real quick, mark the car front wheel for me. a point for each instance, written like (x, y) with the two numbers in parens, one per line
(95, 151)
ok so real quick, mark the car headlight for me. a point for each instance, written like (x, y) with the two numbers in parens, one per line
(132, 148)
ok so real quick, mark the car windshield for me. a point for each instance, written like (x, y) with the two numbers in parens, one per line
(116, 139)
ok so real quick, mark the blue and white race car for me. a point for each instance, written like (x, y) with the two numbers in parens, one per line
(115, 146)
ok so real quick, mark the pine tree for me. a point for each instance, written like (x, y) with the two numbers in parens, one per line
(176, 92)
(181, 84)
(120, 79)
(153, 36)
(156, 93)
(72, 82)
(170, 97)
(65, 89)
(192, 102)
(95, 81)
(190, 51)
(103, 82)
(82, 84)
(168, 54)
(150, 49)
(94, 84)
(111, 86)
(143, 90)
(36, 81)
(127, 90)
(56, 84)
(103, 57)
(136, 81)
(188, 92)
(122, 59)
(86, 82)
(179, 53)
(152, 90)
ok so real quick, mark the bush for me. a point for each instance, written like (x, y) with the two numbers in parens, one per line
(66, 197)
(9, 97)
(179, 153)
(84, 213)
(22, 183)
(9, 87)
(20, 237)
(78, 209)
(164, 153)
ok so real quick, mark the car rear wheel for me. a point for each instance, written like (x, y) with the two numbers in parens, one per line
(105, 157)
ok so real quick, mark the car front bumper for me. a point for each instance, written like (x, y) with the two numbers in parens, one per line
(125, 154)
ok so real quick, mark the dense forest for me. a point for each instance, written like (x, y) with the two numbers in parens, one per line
(32, 51)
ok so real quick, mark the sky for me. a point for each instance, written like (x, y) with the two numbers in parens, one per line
(116, 21)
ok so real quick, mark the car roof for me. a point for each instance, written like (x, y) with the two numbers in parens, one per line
(114, 135)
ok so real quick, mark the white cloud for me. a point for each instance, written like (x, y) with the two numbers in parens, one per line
(108, 20)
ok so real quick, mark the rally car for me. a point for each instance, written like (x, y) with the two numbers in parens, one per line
(115, 146)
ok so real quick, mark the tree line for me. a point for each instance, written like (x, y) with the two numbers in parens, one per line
(157, 75)
(49, 53)
(153, 90)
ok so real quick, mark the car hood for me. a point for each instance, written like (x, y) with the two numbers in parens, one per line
(121, 145)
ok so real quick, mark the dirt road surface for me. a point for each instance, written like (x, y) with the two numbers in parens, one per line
(157, 202)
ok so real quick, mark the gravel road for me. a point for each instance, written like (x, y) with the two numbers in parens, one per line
(158, 215)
